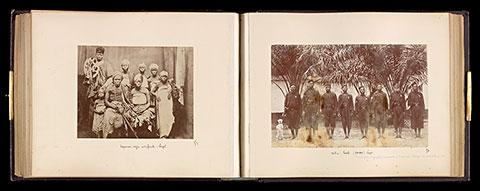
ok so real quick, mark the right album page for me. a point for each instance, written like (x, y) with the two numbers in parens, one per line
(347, 95)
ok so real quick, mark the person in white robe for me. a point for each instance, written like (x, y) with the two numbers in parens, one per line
(164, 109)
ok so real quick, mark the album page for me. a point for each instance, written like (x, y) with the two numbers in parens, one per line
(134, 94)
(347, 95)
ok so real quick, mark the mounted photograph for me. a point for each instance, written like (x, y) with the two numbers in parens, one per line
(135, 92)
(349, 95)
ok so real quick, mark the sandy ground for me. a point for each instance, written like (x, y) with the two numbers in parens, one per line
(321, 138)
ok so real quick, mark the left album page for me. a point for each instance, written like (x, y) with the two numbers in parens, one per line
(134, 94)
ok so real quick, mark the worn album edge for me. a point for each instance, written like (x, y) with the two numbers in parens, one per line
(20, 94)
(457, 112)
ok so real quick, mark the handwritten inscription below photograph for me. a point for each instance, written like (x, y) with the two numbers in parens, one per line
(135, 92)
(349, 95)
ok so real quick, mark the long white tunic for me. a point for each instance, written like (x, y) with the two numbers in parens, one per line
(164, 110)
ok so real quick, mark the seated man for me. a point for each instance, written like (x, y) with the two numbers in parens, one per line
(115, 102)
(138, 115)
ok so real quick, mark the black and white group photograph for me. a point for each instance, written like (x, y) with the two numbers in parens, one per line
(349, 95)
(135, 92)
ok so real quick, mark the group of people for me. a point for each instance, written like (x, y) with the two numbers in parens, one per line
(122, 104)
(312, 104)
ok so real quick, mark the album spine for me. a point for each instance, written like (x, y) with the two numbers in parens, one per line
(19, 152)
(466, 37)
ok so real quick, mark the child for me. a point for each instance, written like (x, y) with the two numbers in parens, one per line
(127, 76)
(154, 79)
(98, 113)
(280, 130)
(141, 69)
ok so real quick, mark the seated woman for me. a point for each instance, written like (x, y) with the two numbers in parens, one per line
(138, 115)
(115, 101)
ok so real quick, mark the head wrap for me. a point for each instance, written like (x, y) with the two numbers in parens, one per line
(100, 50)
(153, 66)
(163, 73)
(125, 62)
(117, 74)
(138, 77)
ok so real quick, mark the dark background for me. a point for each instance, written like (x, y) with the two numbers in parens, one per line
(220, 6)
(177, 61)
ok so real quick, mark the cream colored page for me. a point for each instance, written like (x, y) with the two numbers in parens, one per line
(57, 152)
(348, 28)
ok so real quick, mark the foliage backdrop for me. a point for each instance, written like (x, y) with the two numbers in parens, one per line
(391, 65)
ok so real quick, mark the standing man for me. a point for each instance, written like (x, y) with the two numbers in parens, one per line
(311, 102)
(97, 66)
(417, 109)
(329, 110)
(292, 110)
(362, 110)
(96, 72)
(380, 107)
(346, 110)
(397, 107)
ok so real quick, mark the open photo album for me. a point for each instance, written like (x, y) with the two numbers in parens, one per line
(227, 95)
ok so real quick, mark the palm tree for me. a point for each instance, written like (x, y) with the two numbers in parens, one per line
(289, 64)
(356, 65)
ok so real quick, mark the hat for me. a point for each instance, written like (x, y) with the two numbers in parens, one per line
(163, 73)
(100, 50)
(153, 66)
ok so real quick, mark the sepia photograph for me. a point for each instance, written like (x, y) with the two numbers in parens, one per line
(349, 95)
(135, 92)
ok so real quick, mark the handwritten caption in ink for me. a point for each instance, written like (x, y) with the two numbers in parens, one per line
(365, 152)
(143, 147)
